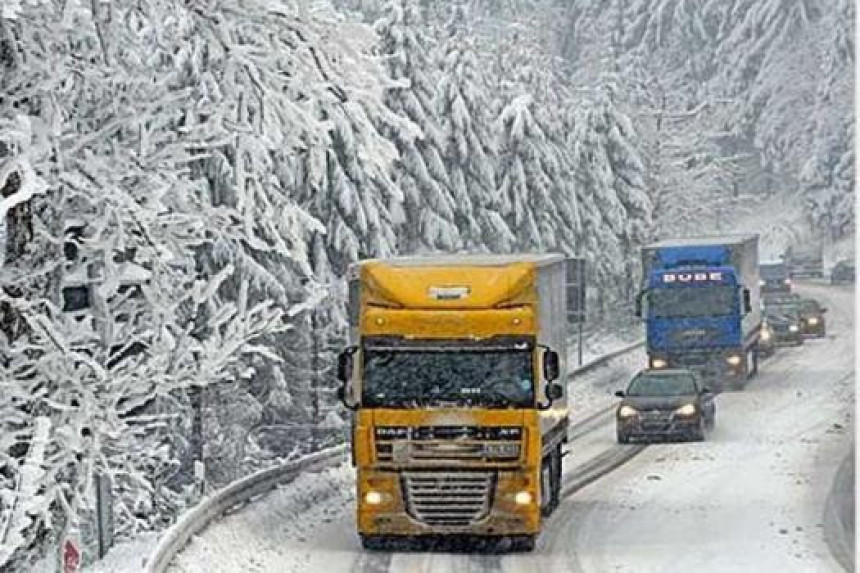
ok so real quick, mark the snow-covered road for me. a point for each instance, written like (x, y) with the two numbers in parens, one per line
(750, 499)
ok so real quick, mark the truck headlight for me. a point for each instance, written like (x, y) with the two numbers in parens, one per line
(734, 360)
(793, 328)
(523, 498)
(813, 321)
(762, 283)
(626, 412)
(787, 281)
(374, 497)
(686, 410)
(658, 363)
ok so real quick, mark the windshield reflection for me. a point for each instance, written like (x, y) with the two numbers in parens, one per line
(413, 378)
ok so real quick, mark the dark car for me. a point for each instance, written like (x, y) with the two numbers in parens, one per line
(766, 345)
(785, 323)
(812, 318)
(774, 278)
(665, 403)
(842, 273)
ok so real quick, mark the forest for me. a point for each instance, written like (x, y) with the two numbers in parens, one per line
(184, 184)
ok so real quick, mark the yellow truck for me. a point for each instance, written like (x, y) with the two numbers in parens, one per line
(459, 418)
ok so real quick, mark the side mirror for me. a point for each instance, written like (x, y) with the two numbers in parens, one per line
(344, 364)
(747, 301)
(823, 310)
(705, 390)
(554, 391)
(638, 304)
(551, 365)
(620, 393)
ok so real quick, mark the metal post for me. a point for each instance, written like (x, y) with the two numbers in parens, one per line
(104, 514)
(579, 345)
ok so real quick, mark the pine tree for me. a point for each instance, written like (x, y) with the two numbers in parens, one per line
(420, 172)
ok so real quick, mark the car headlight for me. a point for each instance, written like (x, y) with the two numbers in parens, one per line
(813, 321)
(765, 335)
(734, 360)
(626, 412)
(686, 410)
(787, 281)
(658, 363)
(793, 328)
(762, 283)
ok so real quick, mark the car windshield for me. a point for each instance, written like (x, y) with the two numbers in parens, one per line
(662, 385)
(410, 378)
(782, 312)
(810, 307)
(691, 301)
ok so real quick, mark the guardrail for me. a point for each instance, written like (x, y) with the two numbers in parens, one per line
(241, 491)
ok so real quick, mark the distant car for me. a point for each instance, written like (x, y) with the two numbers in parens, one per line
(812, 318)
(774, 278)
(842, 273)
(785, 323)
(665, 403)
(766, 345)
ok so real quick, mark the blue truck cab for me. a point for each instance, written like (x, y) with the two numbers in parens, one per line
(700, 303)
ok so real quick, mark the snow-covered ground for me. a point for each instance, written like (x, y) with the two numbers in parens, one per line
(752, 498)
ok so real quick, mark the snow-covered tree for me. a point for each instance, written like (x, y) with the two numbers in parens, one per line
(470, 154)
(429, 204)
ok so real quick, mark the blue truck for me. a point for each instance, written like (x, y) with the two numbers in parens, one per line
(701, 305)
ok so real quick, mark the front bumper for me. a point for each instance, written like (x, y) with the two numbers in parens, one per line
(666, 425)
(787, 338)
(818, 329)
(410, 510)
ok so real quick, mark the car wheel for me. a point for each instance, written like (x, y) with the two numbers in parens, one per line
(699, 432)
(623, 438)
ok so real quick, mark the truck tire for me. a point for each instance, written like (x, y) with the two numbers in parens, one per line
(550, 482)
(523, 543)
(556, 477)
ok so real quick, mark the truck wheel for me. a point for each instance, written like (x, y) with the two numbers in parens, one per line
(556, 477)
(374, 542)
(754, 353)
(523, 543)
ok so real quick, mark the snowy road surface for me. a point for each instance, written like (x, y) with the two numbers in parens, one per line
(752, 498)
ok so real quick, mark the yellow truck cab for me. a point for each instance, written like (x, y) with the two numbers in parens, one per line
(452, 372)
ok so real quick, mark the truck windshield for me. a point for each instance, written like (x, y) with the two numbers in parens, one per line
(414, 378)
(691, 301)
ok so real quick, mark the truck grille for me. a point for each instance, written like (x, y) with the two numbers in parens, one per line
(450, 499)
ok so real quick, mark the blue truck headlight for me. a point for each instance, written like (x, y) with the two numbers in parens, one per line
(658, 363)
(734, 360)
(793, 328)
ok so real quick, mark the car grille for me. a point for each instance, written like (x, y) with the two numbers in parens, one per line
(450, 499)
